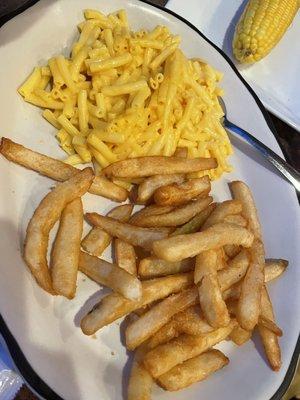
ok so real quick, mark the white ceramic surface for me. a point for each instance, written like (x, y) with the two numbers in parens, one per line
(276, 78)
(47, 328)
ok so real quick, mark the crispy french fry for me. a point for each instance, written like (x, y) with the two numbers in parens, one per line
(177, 194)
(140, 381)
(228, 207)
(135, 235)
(149, 323)
(57, 170)
(195, 223)
(241, 192)
(153, 209)
(221, 259)
(97, 240)
(157, 165)
(152, 267)
(248, 309)
(210, 295)
(147, 188)
(195, 369)
(165, 356)
(236, 270)
(66, 248)
(236, 219)
(181, 152)
(164, 334)
(231, 250)
(190, 321)
(269, 324)
(178, 216)
(269, 338)
(239, 335)
(125, 256)
(274, 268)
(110, 275)
(115, 306)
(178, 247)
(44, 218)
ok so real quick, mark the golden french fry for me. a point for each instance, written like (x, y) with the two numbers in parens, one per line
(57, 170)
(181, 152)
(110, 275)
(269, 338)
(248, 309)
(44, 218)
(66, 248)
(165, 356)
(135, 235)
(140, 381)
(178, 247)
(236, 219)
(222, 210)
(149, 323)
(269, 324)
(195, 223)
(153, 209)
(191, 322)
(236, 270)
(231, 250)
(221, 259)
(239, 335)
(157, 165)
(274, 268)
(147, 188)
(115, 306)
(152, 267)
(125, 256)
(195, 369)
(210, 295)
(164, 334)
(97, 240)
(178, 216)
(177, 194)
(241, 192)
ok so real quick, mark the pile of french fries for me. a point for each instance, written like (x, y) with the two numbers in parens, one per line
(188, 273)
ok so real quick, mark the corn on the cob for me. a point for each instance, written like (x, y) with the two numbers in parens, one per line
(261, 26)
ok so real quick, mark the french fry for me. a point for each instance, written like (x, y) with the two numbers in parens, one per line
(221, 259)
(47, 213)
(231, 250)
(152, 267)
(181, 152)
(157, 165)
(178, 247)
(210, 295)
(236, 219)
(125, 256)
(195, 369)
(248, 309)
(274, 268)
(195, 223)
(239, 335)
(97, 240)
(140, 381)
(269, 324)
(178, 216)
(149, 323)
(223, 210)
(110, 275)
(164, 334)
(165, 356)
(241, 192)
(269, 338)
(177, 194)
(153, 209)
(147, 188)
(135, 235)
(57, 170)
(236, 270)
(115, 306)
(66, 248)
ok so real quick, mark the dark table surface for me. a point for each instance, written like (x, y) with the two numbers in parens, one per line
(287, 137)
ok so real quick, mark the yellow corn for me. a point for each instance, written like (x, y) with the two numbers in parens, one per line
(261, 26)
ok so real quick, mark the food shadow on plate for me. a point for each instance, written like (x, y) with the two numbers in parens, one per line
(259, 347)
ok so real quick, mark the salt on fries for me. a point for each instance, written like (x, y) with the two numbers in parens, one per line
(146, 116)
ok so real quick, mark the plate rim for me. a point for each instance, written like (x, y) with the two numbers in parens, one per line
(27, 372)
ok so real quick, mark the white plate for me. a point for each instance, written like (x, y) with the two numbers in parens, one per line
(276, 78)
(46, 328)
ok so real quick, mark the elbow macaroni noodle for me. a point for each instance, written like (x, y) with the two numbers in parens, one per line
(128, 94)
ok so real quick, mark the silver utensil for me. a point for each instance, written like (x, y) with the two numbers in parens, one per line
(290, 173)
